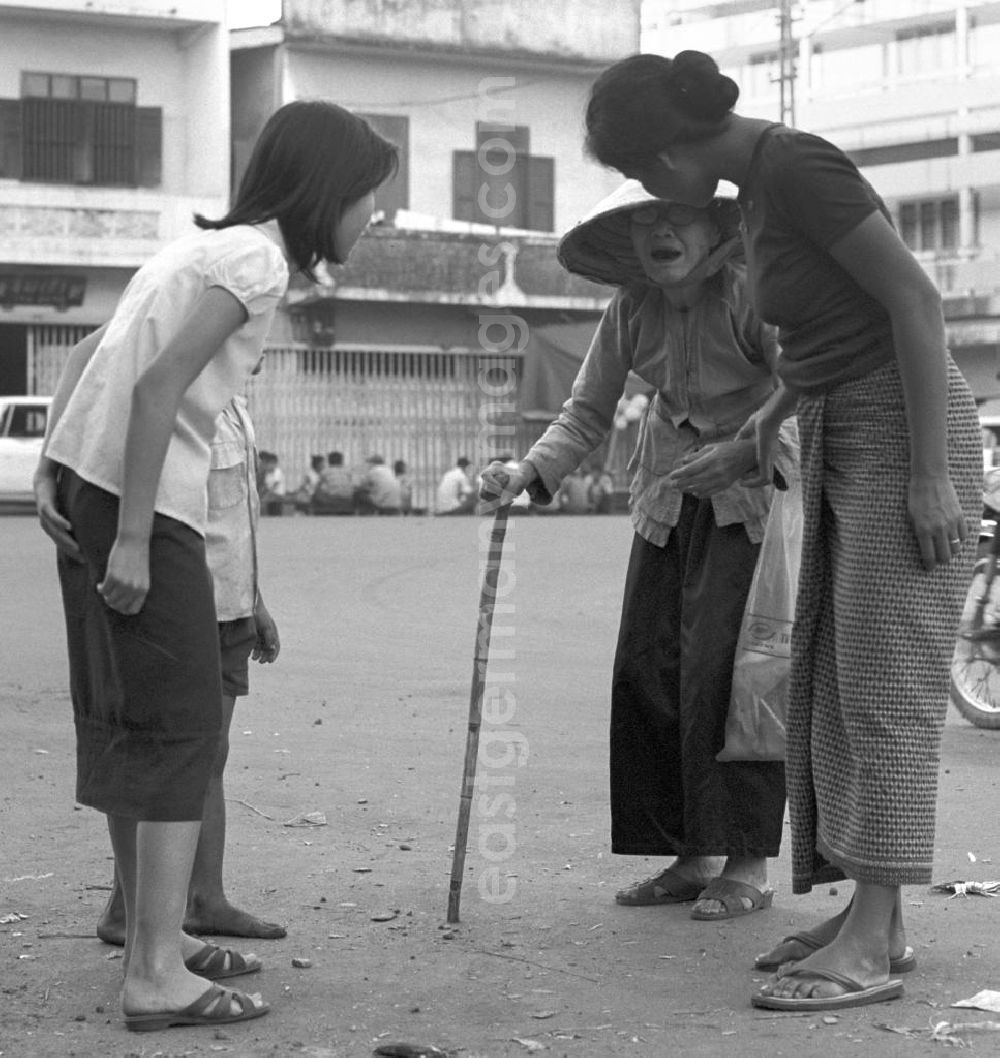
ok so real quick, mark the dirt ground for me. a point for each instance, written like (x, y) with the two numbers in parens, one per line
(363, 719)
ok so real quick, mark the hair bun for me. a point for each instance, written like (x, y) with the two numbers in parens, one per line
(698, 88)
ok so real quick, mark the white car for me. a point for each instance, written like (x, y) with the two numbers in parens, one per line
(22, 431)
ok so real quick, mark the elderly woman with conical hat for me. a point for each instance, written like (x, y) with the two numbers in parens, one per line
(680, 320)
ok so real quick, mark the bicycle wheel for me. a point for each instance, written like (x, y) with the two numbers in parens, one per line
(975, 665)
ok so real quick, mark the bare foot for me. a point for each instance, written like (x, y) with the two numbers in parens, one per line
(793, 950)
(697, 868)
(222, 919)
(111, 924)
(825, 933)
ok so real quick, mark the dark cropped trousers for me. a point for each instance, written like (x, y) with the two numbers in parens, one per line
(670, 694)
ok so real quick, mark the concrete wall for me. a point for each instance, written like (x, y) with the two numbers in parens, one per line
(444, 100)
(256, 92)
(595, 29)
(176, 11)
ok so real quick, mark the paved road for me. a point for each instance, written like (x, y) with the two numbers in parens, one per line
(363, 719)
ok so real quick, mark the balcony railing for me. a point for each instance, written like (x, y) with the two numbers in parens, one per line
(964, 276)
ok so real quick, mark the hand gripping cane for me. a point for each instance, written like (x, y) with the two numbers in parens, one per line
(481, 655)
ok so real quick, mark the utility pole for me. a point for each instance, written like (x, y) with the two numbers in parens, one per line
(786, 62)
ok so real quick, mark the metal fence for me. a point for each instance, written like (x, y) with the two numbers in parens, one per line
(418, 404)
(415, 403)
(48, 347)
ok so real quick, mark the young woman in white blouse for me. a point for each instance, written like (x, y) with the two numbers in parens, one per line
(121, 489)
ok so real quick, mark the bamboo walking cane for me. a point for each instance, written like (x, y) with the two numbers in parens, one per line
(481, 656)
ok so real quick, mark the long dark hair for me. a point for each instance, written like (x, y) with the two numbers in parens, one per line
(643, 103)
(311, 160)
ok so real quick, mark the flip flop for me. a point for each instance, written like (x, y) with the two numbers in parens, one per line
(215, 963)
(212, 1007)
(731, 894)
(856, 995)
(900, 964)
(667, 887)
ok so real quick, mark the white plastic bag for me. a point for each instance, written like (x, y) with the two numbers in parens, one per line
(755, 726)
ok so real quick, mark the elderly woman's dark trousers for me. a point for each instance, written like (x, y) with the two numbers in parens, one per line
(670, 695)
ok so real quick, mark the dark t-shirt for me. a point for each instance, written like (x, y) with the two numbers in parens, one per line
(801, 194)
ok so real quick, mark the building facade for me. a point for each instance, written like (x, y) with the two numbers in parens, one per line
(114, 129)
(417, 348)
(121, 118)
(911, 90)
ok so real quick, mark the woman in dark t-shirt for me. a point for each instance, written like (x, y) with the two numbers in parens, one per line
(891, 469)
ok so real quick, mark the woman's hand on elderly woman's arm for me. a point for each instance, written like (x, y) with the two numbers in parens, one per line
(763, 427)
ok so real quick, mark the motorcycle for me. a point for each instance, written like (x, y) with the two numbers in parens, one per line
(975, 665)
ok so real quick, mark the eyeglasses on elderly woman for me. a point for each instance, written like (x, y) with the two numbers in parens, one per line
(674, 213)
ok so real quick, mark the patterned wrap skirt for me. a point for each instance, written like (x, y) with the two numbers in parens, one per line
(873, 638)
(146, 689)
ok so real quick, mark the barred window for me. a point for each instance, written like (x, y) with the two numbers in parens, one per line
(502, 182)
(79, 129)
(930, 225)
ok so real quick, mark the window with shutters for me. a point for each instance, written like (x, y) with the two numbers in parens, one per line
(502, 183)
(930, 225)
(80, 130)
(394, 194)
(925, 50)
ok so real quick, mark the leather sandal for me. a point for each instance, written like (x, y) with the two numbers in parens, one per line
(215, 963)
(212, 1007)
(731, 894)
(853, 995)
(667, 887)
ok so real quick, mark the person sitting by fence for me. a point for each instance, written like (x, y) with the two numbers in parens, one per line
(335, 491)
(272, 484)
(400, 469)
(455, 494)
(307, 489)
(379, 491)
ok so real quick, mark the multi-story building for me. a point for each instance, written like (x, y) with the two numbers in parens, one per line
(114, 129)
(121, 118)
(424, 346)
(911, 90)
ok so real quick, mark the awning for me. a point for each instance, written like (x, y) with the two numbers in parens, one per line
(552, 359)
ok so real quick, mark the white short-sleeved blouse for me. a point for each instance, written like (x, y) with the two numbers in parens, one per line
(246, 260)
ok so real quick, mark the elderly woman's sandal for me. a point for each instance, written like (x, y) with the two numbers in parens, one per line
(667, 887)
(212, 1007)
(215, 963)
(731, 894)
